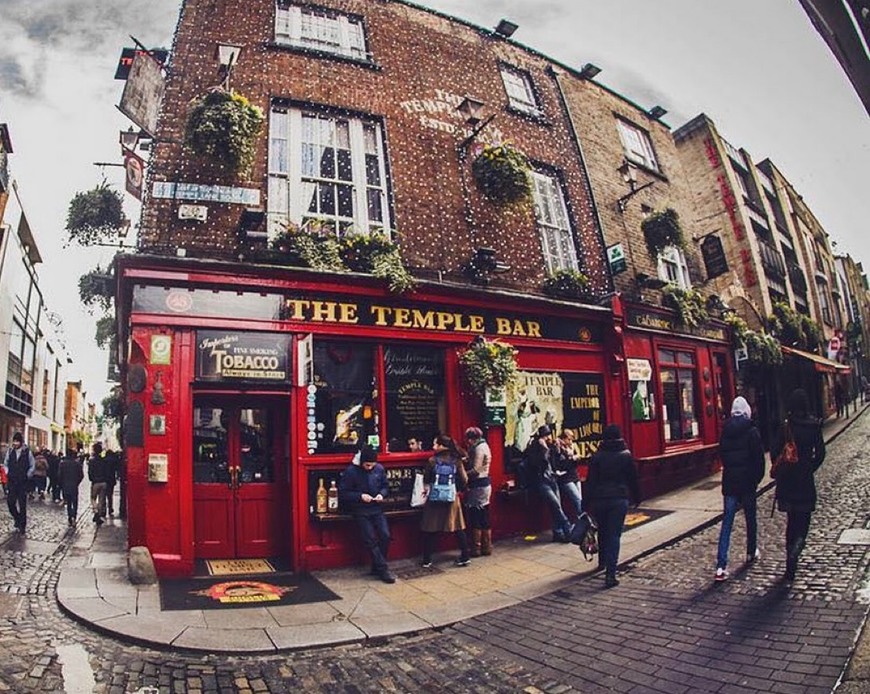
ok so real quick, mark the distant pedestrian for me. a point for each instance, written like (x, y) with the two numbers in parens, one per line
(742, 458)
(795, 482)
(839, 397)
(70, 476)
(362, 491)
(40, 475)
(19, 464)
(4, 448)
(477, 496)
(611, 486)
(444, 516)
(98, 474)
(54, 476)
(113, 470)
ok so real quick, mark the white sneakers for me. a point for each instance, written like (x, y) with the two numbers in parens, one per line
(753, 557)
(721, 575)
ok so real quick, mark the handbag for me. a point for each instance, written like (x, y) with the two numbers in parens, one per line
(420, 491)
(584, 534)
(787, 456)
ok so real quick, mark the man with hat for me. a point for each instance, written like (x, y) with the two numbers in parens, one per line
(540, 457)
(362, 489)
(20, 465)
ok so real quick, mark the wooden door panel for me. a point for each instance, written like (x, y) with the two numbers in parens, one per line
(214, 526)
(256, 522)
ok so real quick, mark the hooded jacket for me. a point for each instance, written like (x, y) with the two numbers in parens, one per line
(612, 473)
(795, 483)
(742, 457)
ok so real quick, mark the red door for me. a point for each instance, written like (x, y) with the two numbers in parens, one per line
(239, 473)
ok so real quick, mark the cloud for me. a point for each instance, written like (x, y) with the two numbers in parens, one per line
(72, 30)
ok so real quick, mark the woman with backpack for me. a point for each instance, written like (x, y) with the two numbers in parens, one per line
(795, 481)
(445, 476)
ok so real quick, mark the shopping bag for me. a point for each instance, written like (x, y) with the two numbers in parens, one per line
(420, 492)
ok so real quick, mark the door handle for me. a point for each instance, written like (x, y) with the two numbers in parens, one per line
(234, 478)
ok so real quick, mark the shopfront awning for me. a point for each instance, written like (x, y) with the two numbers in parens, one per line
(820, 363)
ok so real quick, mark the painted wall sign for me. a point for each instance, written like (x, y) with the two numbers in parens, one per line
(437, 111)
(236, 356)
(584, 410)
(663, 322)
(205, 193)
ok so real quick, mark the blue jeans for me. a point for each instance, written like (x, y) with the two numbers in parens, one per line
(550, 494)
(732, 503)
(376, 537)
(610, 515)
(571, 490)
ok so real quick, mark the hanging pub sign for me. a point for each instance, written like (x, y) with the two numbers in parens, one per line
(714, 257)
(616, 258)
(237, 356)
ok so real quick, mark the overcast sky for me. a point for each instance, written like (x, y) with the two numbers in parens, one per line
(756, 67)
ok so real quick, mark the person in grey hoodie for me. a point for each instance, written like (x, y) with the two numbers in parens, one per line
(742, 458)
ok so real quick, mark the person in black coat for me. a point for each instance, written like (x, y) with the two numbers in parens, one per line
(611, 484)
(70, 476)
(540, 455)
(742, 458)
(795, 482)
(361, 490)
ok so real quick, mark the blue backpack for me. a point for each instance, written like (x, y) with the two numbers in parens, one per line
(443, 489)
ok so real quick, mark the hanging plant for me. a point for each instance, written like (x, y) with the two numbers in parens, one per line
(501, 173)
(95, 216)
(762, 349)
(223, 126)
(376, 254)
(567, 284)
(690, 305)
(307, 249)
(97, 289)
(788, 326)
(662, 229)
(489, 365)
(739, 328)
(812, 333)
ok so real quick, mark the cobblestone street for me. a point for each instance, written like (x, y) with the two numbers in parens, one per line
(666, 628)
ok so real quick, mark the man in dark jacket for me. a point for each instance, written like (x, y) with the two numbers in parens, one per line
(361, 490)
(70, 476)
(742, 458)
(540, 455)
(20, 466)
(98, 474)
(611, 485)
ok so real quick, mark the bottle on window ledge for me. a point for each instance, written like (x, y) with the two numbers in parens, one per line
(332, 499)
(322, 501)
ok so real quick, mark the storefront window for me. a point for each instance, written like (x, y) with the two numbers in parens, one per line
(679, 408)
(642, 401)
(343, 416)
(415, 395)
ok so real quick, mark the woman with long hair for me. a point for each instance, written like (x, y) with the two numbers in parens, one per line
(444, 516)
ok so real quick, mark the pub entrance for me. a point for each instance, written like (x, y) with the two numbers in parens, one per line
(240, 472)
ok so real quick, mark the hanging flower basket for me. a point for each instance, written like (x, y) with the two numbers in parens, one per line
(95, 216)
(501, 173)
(223, 126)
(662, 229)
(489, 365)
(567, 284)
(690, 305)
(762, 349)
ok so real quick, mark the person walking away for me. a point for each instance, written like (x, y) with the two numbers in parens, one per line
(98, 474)
(795, 482)
(567, 457)
(54, 476)
(4, 449)
(113, 464)
(742, 458)
(20, 465)
(477, 496)
(611, 484)
(540, 454)
(70, 476)
(443, 469)
(40, 475)
(362, 490)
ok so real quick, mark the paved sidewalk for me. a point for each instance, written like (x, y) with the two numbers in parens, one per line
(93, 586)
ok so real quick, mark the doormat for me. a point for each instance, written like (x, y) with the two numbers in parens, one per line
(236, 567)
(220, 593)
(640, 517)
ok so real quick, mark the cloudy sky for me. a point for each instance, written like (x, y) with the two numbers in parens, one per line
(757, 68)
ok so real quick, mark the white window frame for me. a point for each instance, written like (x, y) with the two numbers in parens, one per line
(554, 226)
(673, 269)
(637, 145)
(320, 29)
(520, 92)
(288, 199)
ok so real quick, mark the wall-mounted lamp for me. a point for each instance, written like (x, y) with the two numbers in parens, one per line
(628, 171)
(657, 112)
(588, 71)
(471, 109)
(506, 28)
(129, 138)
(483, 265)
(227, 55)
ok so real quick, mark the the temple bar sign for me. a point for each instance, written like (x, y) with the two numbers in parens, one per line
(235, 356)
(451, 319)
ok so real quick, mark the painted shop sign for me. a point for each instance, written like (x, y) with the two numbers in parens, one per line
(234, 356)
(205, 193)
(658, 321)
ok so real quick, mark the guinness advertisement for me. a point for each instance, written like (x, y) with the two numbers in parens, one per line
(235, 356)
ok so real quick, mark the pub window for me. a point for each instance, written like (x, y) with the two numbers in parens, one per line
(521, 94)
(679, 406)
(414, 386)
(554, 227)
(342, 398)
(320, 29)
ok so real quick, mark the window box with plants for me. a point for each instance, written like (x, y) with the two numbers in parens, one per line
(501, 173)
(661, 230)
(689, 304)
(567, 284)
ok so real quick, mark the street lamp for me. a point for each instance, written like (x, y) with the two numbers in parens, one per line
(471, 109)
(628, 171)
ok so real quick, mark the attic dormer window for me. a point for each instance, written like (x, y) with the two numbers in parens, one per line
(320, 29)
